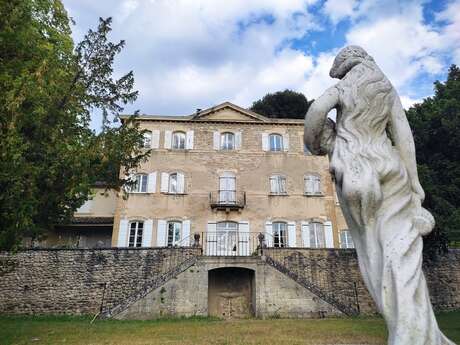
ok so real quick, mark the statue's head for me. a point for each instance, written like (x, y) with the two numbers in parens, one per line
(346, 59)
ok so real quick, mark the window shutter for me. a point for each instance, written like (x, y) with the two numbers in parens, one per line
(292, 240)
(123, 233)
(328, 235)
(211, 239)
(180, 183)
(269, 234)
(237, 140)
(155, 139)
(286, 142)
(147, 233)
(161, 233)
(152, 182)
(273, 185)
(164, 182)
(189, 140)
(309, 184)
(168, 136)
(243, 238)
(305, 235)
(185, 235)
(265, 144)
(216, 140)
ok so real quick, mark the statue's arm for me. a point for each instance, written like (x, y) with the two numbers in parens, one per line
(404, 142)
(316, 120)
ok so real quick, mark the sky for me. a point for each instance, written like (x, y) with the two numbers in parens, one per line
(189, 54)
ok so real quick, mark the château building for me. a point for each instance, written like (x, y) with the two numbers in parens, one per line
(228, 174)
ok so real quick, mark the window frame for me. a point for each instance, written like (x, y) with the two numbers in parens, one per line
(280, 234)
(176, 237)
(173, 177)
(225, 142)
(275, 148)
(316, 182)
(280, 182)
(349, 244)
(137, 238)
(147, 140)
(318, 241)
(230, 194)
(138, 187)
(181, 135)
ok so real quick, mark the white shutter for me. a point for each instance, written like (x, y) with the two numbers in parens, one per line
(155, 139)
(161, 233)
(189, 140)
(269, 234)
(273, 185)
(211, 239)
(216, 140)
(152, 182)
(147, 233)
(237, 140)
(265, 146)
(243, 238)
(328, 235)
(292, 240)
(164, 182)
(286, 142)
(123, 233)
(309, 184)
(305, 235)
(185, 235)
(168, 136)
(180, 183)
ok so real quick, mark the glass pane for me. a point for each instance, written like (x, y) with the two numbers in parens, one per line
(143, 183)
(276, 142)
(178, 140)
(173, 183)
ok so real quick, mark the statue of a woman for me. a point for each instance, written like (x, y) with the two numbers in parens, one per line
(379, 190)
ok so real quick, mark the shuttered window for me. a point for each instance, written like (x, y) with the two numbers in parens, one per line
(277, 184)
(312, 184)
(135, 234)
(147, 140)
(178, 141)
(345, 239)
(276, 142)
(140, 185)
(317, 238)
(174, 233)
(279, 234)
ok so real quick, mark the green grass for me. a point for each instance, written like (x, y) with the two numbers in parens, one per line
(200, 331)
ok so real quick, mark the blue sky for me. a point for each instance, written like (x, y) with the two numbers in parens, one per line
(189, 54)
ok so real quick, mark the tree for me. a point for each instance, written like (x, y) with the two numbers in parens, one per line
(436, 126)
(282, 104)
(49, 156)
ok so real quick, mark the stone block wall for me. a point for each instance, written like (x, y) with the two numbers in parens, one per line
(75, 281)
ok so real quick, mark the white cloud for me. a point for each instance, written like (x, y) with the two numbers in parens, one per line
(339, 9)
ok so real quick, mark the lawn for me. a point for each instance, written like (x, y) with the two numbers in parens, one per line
(201, 331)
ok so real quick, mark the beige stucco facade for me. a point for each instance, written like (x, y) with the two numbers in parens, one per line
(202, 164)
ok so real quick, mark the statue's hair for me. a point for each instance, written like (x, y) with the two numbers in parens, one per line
(346, 59)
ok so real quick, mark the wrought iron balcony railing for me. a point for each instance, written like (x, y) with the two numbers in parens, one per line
(227, 200)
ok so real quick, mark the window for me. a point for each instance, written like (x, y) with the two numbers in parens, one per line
(279, 234)
(173, 186)
(277, 184)
(276, 142)
(312, 184)
(227, 188)
(345, 239)
(140, 185)
(147, 140)
(135, 234)
(227, 141)
(178, 141)
(317, 239)
(174, 232)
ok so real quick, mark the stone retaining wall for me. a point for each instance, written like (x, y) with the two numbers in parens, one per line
(74, 281)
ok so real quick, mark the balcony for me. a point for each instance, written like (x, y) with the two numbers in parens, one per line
(227, 200)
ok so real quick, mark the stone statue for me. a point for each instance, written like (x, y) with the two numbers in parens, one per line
(379, 191)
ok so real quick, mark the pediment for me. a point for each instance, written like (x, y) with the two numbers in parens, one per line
(229, 112)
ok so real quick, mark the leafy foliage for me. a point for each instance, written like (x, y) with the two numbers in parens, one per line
(282, 104)
(436, 126)
(49, 156)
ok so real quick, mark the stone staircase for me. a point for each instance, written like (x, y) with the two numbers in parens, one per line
(150, 285)
(346, 303)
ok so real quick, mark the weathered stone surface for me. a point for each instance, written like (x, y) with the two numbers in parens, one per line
(379, 191)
